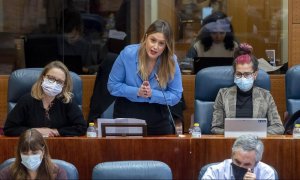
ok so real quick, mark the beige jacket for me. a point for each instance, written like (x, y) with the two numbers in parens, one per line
(263, 107)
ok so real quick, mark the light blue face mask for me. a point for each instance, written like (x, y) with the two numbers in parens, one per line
(51, 88)
(243, 83)
(31, 162)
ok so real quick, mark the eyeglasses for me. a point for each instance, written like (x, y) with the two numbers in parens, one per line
(52, 79)
(247, 75)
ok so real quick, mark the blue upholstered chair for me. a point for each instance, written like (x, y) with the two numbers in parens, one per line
(70, 169)
(132, 170)
(207, 84)
(204, 168)
(21, 81)
(292, 89)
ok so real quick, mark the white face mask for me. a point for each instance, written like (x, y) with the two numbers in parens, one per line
(51, 88)
(31, 162)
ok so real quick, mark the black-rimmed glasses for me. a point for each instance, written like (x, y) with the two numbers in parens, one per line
(247, 75)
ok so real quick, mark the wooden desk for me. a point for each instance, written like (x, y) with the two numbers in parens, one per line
(185, 156)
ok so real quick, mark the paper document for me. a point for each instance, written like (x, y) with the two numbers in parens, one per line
(264, 65)
(114, 34)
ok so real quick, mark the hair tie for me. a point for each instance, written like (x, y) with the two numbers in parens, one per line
(242, 59)
(246, 47)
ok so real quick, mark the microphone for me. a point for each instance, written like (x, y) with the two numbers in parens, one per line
(170, 114)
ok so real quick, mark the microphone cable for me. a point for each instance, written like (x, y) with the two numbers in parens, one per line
(170, 114)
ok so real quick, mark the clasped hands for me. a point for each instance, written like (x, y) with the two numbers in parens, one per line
(145, 90)
(47, 132)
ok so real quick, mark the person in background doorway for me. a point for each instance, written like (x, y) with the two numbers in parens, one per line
(215, 39)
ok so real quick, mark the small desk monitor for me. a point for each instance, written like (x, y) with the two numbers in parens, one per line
(204, 62)
(235, 127)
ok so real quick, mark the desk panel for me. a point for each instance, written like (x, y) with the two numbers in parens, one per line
(185, 156)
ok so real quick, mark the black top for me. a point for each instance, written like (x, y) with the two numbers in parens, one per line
(244, 105)
(29, 113)
(155, 115)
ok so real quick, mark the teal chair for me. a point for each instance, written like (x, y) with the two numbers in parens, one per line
(132, 170)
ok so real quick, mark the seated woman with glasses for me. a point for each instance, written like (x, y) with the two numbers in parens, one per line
(49, 108)
(244, 99)
(215, 39)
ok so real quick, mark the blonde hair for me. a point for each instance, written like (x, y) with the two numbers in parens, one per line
(32, 140)
(66, 94)
(166, 69)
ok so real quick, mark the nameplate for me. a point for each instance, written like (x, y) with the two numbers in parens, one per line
(121, 127)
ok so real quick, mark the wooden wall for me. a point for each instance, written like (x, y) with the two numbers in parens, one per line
(294, 31)
(277, 90)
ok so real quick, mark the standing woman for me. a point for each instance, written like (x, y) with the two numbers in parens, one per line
(49, 108)
(33, 160)
(143, 74)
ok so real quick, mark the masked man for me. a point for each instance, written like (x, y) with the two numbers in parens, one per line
(245, 162)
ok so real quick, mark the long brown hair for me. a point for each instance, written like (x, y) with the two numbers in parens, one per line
(32, 140)
(66, 94)
(166, 69)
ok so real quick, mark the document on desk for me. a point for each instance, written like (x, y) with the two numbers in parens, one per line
(121, 130)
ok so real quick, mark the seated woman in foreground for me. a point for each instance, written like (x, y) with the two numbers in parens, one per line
(49, 108)
(244, 99)
(33, 160)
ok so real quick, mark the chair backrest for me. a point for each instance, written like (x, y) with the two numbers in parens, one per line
(21, 81)
(207, 85)
(70, 169)
(292, 89)
(132, 170)
(204, 168)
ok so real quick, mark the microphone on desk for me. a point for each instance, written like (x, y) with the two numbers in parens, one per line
(170, 114)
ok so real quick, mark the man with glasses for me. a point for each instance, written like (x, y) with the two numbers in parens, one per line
(245, 100)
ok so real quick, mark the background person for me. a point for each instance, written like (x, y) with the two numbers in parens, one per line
(245, 100)
(33, 160)
(75, 45)
(139, 74)
(245, 162)
(49, 108)
(216, 38)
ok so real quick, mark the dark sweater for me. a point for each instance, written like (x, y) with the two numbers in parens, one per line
(29, 113)
(244, 105)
